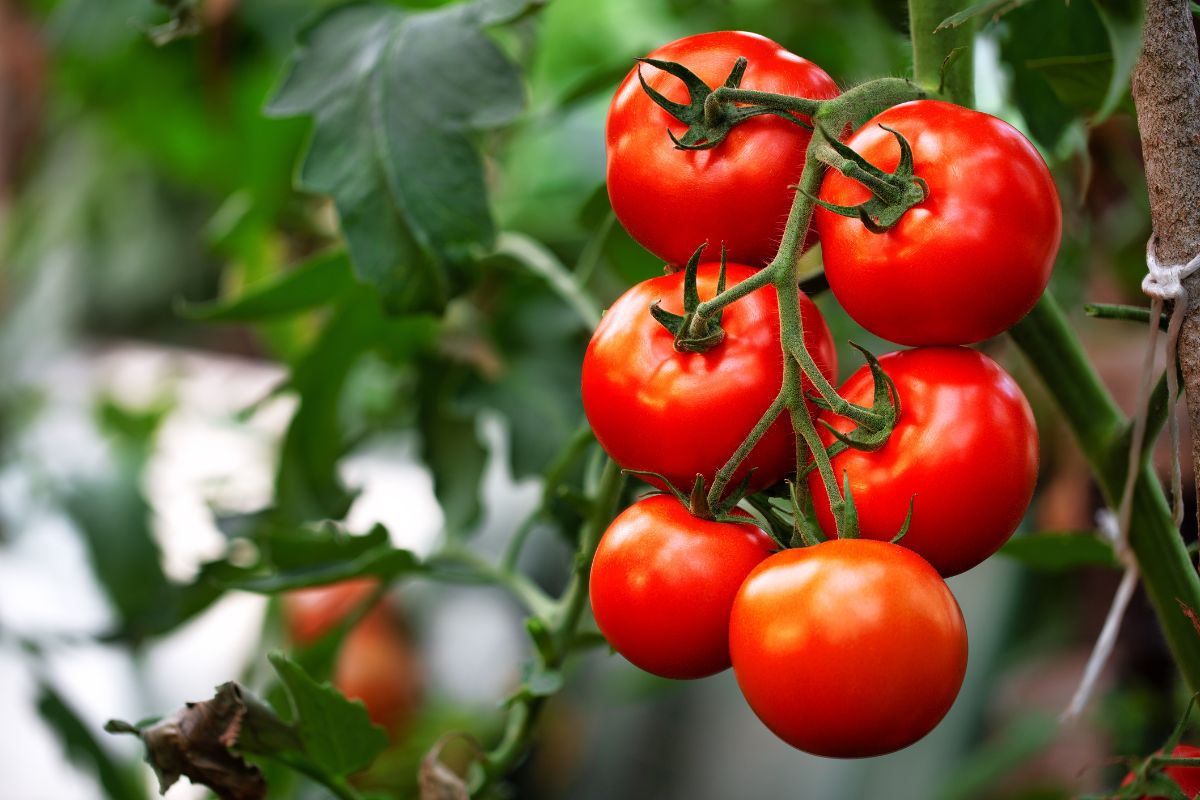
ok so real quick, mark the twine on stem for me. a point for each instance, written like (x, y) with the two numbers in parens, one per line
(1162, 283)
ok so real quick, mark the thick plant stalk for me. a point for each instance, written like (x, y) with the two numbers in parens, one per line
(1166, 91)
(1056, 355)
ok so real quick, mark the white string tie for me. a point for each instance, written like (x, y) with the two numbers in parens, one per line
(1163, 282)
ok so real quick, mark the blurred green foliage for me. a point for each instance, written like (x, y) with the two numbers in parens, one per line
(353, 242)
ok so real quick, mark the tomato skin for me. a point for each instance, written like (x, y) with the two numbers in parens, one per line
(969, 261)
(309, 614)
(965, 444)
(663, 581)
(679, 414)
(1187, 778)
(377, 665)
(847, 649)
(672, 201)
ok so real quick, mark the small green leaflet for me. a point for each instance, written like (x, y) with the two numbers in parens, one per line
(395, 96)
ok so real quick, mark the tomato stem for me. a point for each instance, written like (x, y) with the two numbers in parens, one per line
(725, 474)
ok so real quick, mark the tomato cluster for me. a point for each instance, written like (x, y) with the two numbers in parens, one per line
(851, 646)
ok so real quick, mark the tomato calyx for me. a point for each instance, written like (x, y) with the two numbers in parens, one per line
(893, 193)
(697, 501)
(873, 425)
(710, 114)
(694, 332)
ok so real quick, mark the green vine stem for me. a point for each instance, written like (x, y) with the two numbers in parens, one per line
(783, 271)
(1056, 355)
(562, 624)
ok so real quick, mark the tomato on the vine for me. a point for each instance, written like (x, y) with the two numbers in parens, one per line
(1186, 778)
(971, 259)
(663, 582)
(849, 648)
(656, 409)
(737, 193)
(379, 666)
(309, 614)
(964, 452)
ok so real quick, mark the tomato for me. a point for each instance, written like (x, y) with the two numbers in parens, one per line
(849, 648)
(663, 582)
(969, 261)
(965, 445)
(377, 665)
(311, 613)
(1186, 778)
(680, 414)
(740, 191)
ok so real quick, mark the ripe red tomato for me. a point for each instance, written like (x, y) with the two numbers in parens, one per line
(1187, 778)
(679, 414)
(309, 614)
(965, 444)
(848, 649)
(739, 192)
(969, 261)
(663, 582)
(378, 665)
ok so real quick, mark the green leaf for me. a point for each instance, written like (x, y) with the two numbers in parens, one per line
(336, 733)
(1079, 82)
(301, 557)
(119, 782)
(1056, 552)
(1042, 32)
(114, 519)
(395, 96)
(451, 449)
(317, 282)
(993, 9)
(1123, 21)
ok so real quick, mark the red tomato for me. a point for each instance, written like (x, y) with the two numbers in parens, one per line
(849, 648)
(965, 444)
(679, 414)
(1187, 778)
(377, 665)
(311, 613)
(663, 582)
(739, 192)
(969, 261)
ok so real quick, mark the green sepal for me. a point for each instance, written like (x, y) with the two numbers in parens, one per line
(806, 531)
(706, 129)
(693, 334)
(874, 425)
(848, 529)
(912, 501)
(893, 193)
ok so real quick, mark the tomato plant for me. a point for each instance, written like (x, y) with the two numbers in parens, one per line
(656, 409)
(849, 648)
(663, 582)
(737, 193)
(1186, 778)
(964, 453)
(967, 262)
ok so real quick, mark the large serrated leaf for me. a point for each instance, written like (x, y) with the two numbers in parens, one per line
(336, 733)
(395, 96)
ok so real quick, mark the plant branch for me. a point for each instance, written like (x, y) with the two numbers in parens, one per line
(563, 620)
